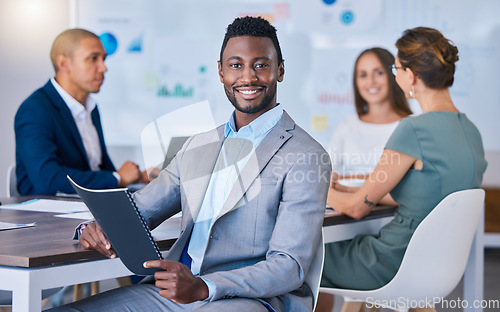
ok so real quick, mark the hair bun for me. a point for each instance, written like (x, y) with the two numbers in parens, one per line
(430, 56)
(446, 51)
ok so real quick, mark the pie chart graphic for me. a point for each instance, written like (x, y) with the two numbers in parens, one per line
(109, 42)
(347, 17)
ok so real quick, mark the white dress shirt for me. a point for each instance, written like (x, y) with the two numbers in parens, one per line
(82, 116)
(356, 146)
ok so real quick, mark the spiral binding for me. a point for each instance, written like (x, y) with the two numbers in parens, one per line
(129, 195)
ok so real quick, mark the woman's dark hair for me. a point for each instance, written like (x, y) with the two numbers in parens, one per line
(252, 26)
(396, 96)
(429, 55)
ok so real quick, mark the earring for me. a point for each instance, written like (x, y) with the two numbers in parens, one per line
(412, 92)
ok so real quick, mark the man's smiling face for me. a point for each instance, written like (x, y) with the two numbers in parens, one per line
(250, 72)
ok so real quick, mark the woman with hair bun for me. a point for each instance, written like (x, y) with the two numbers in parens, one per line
(426, 158)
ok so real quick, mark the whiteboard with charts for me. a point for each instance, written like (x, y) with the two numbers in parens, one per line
(162, 56)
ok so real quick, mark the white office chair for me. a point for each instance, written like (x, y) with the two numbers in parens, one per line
(313, 277)
(435, 259)
(12, 181)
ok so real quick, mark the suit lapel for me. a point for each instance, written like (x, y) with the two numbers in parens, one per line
(260, 158)
(198, 177)
(96, 120)
(66, 118)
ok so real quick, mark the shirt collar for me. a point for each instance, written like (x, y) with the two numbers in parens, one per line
(259, 126)
(74, 106)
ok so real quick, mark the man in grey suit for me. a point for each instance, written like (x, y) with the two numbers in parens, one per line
(252, 194)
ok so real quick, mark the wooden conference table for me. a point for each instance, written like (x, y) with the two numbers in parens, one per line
(45, 256)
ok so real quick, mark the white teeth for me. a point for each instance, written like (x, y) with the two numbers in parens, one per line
(248, 92)
(373, 90)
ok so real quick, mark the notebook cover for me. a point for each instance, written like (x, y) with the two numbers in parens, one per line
(126, 230)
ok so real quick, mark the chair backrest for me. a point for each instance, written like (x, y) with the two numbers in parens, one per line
(313, 277)
(12, 181)
(437, 254)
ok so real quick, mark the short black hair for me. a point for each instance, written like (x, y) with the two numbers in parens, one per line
(252, 26)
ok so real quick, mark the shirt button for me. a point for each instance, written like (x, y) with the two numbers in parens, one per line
(282, 137)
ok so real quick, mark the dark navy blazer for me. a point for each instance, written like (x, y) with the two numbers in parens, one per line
(49, 147)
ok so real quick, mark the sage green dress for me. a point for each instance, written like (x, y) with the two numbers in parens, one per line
(451, 151)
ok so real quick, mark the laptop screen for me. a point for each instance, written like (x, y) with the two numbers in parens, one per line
(174, 146)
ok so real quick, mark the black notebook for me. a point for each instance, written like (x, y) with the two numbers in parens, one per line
(115, 211)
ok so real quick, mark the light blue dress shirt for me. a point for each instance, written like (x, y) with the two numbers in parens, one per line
(236, 150)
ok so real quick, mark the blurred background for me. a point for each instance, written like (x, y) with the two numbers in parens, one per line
(162, 55)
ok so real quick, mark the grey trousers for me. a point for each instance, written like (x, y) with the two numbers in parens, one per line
(145, 297)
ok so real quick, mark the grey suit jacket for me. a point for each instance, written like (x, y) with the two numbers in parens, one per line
(262, 243)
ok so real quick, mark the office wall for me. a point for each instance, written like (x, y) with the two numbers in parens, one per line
(155, 64)
(27, 28)
(155, 61)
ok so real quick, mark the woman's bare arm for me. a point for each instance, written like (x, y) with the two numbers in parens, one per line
(391, 168)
